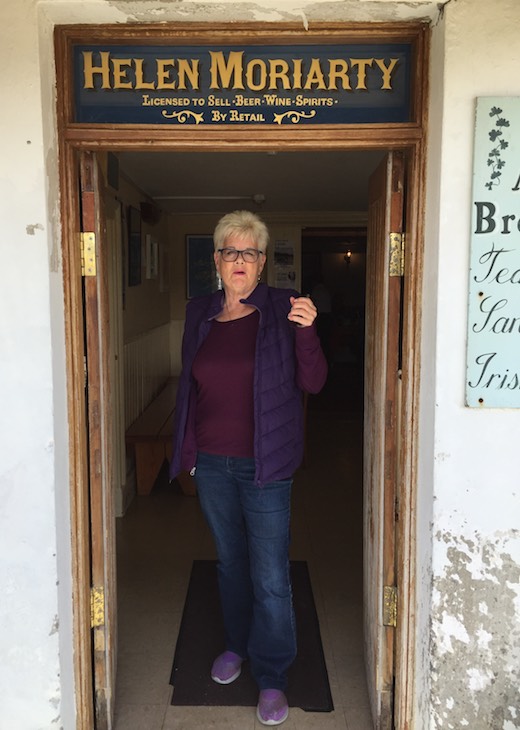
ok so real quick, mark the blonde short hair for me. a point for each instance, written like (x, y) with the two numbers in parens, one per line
(244, 223)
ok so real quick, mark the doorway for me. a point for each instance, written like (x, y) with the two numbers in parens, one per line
(407, 138)
(339, 408)
(347, 353)
(161, 534)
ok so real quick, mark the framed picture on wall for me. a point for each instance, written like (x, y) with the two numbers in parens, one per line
(134, 246)
(201, 277)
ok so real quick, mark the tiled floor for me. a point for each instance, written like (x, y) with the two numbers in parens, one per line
(162, 534)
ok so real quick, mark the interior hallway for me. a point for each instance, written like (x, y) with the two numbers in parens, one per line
(162, 534)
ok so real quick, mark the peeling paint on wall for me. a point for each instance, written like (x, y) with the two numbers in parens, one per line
(475, 637)
(272, 10)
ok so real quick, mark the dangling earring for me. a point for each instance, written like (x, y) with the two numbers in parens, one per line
(258, 277)
(219, 282)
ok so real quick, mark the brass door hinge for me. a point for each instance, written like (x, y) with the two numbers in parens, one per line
(97, 606)
(396, 263)
(389, 606)
(88, 253)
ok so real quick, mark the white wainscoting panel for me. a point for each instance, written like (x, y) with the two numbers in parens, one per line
(147, 367)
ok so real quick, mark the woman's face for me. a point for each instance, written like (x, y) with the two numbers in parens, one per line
(239, 277)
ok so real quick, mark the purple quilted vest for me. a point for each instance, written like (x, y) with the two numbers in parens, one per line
(280, 377)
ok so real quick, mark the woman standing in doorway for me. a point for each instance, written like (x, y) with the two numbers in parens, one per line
(249, 351)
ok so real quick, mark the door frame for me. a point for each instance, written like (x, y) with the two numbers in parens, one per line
(410, 138)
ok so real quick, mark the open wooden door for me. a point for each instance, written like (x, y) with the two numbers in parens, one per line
(112, 208)
(382, 384)
(102, 527)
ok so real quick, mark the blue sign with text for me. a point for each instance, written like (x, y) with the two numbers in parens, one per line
(266, 85)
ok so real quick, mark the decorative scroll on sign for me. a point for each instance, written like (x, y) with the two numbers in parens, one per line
(493, 362)
(277, 85)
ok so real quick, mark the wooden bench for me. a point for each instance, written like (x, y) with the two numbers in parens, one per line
(151, 436)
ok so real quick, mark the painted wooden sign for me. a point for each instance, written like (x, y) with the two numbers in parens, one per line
(493, 350)
(276, 85)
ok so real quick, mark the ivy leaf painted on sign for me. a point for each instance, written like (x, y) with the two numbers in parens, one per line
(494, 158)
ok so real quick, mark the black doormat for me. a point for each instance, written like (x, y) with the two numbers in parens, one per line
(200, 641)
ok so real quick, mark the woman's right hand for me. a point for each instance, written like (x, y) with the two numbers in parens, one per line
(302, 312)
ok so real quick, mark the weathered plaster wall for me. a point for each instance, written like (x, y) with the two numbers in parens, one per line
(33, 470)
(475, 617)
(476, 632)
(268, 11)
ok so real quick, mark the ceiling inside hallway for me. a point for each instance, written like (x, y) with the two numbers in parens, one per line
(268, 182)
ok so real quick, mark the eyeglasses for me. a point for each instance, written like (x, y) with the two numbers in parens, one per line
(249, 255)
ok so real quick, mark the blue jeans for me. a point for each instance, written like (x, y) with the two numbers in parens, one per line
(250, 526)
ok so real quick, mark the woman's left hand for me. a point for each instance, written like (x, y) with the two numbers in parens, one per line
(303, 312)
